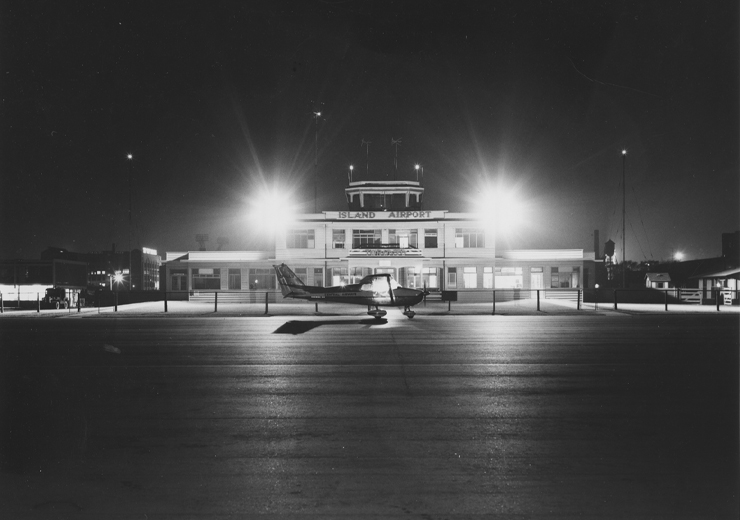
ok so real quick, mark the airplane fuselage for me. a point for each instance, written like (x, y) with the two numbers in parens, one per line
(402, 297)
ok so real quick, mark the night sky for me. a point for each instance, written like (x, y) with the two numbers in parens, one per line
(216, 99)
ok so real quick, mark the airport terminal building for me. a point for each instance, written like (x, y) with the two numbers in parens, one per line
(384, 230)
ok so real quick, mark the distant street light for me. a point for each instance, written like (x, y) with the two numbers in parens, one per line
(624, 229)
(416, 167)
(678, 256)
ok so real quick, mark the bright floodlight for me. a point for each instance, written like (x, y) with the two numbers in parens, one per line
(272, 210)
(118, 277)
(678, 256)
(499, 208)
(624, 152)
(129, 156)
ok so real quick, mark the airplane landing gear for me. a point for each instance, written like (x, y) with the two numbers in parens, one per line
(376, 313)
(408, 312)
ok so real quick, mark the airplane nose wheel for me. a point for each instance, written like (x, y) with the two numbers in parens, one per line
(408, 312)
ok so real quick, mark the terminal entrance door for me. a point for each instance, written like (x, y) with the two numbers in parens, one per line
(537, 281)
(387, 270)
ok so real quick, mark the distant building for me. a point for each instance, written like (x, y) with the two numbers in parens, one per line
(27, 280)
(657, 280)
(384, 230)
(103, 266)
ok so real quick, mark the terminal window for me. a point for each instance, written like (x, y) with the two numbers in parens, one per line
(261, 279)
(235, 279)
(509, 278)
(488, 277)
(299, 239)
(469, 237)
(470, 277)
(403, 237)
(452, 277)
(338, 238)
(365, 237)
(430, 238)
(339, 276)
(318, 276)
(206, 279)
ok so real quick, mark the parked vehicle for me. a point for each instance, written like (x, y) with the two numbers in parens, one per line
(55, 298)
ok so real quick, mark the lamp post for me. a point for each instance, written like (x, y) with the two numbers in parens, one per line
(351, 168)
(624, 229)
(130, 159)
(316, 116)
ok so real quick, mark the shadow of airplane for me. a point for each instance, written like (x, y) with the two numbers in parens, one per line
(301, 327)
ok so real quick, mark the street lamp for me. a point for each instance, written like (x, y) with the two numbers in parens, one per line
(130, 159)
(316, 116)
(624, 229)
(351, 168)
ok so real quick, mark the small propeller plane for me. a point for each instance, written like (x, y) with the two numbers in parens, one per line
(374, 290)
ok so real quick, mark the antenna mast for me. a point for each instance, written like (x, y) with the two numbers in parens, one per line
(396, 143)
(367, 164)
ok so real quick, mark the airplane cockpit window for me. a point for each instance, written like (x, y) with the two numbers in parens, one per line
(378, 284)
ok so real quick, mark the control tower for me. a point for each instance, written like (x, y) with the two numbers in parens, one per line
(384, 195)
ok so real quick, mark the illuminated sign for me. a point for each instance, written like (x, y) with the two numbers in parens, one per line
(385, 252)
(148, 251)
(389, 214)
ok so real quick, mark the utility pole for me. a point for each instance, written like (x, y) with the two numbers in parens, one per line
(396, 143)
(367, 163)
(130, 159)
(624, 229)
(316, 116)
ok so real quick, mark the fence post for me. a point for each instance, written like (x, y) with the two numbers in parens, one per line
(494, 303)
(719, 295)
(615, 299)
(317, 306)
(449, 305)
(2, 304)
(538, 300)
(165, 301)
(578, 300)
(266, 304)
(38, 303)
(215, 302)
(666, 300)
(116, 301)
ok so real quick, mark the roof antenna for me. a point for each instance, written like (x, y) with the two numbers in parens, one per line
(367, 144)
(396, 143)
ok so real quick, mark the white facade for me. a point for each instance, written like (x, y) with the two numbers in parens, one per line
(434, 249)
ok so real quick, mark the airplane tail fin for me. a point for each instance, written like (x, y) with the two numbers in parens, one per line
(290, 285)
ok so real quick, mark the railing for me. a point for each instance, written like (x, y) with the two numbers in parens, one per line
(501, 301)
